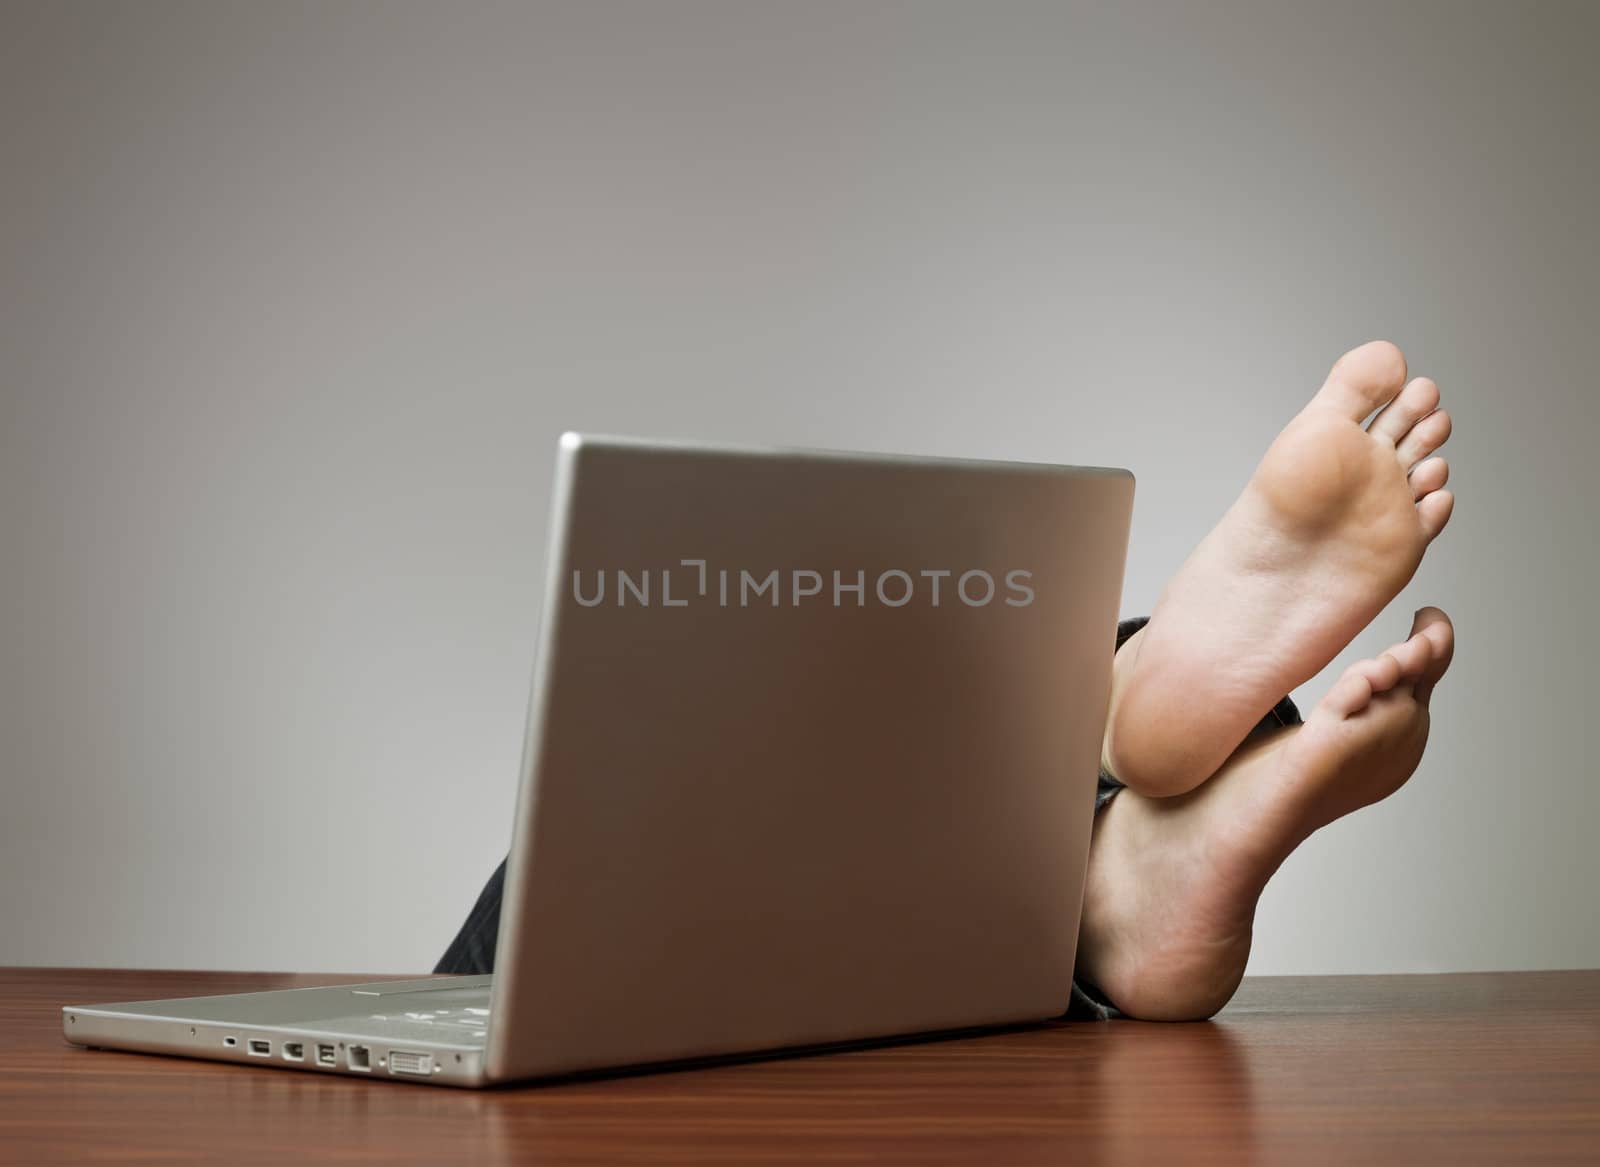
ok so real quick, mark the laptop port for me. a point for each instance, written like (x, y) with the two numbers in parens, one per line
(260, 1048)
(326, 1056)
(294, 1051)
(406, 1062)
(359, 1058)
(230, 1042)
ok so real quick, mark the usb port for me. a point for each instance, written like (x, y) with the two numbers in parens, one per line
(260, 1048)
(359, 1058)
(326, 1056)
(294, 1051)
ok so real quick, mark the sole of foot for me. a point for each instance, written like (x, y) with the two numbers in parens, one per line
(1173, 882)
(1331, 526)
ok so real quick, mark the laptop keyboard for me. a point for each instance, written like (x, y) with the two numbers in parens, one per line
(470, 1019)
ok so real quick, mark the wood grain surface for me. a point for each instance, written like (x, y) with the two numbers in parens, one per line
(1477, 1067)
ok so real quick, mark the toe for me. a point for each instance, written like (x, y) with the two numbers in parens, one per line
(1432, 623)
(1423, 438)
(1381, 671)
(1412, 656)
(1433, 626)
(1433, 511)
(1416, 401)
(1430, 475)
(1363, 379)
(1350, 695)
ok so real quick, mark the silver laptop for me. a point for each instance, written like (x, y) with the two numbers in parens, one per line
(810, 759)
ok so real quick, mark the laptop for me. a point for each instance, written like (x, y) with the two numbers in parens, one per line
(810, 759)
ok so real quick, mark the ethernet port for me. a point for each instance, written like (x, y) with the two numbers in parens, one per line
(359, 1058)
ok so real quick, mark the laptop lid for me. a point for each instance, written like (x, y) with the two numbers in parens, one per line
(811, 751)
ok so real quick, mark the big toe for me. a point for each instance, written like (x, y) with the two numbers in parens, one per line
(1364, 379)
(1433, 626)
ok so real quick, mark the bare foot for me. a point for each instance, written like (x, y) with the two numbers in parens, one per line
(1173, 882)
(1327, 532)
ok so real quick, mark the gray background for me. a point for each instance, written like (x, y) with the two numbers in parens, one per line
(294, 300)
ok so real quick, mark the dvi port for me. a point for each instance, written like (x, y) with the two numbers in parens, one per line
(406, 1062)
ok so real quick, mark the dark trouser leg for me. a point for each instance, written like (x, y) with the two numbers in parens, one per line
(472, 951)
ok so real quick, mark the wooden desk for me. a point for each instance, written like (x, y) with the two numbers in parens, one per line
(1498, 1068)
